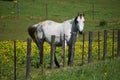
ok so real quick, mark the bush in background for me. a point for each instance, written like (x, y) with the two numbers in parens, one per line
(103, 23)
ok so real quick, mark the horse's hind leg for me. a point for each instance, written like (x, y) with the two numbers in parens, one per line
(56, 62)
(55, 59)
(41, 42)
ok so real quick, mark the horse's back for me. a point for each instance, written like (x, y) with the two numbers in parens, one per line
(51, 27)
(48, 28)
(49, 23)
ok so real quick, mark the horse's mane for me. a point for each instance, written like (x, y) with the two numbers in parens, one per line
(75, 20)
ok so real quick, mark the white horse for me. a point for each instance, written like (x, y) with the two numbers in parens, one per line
(44, 30)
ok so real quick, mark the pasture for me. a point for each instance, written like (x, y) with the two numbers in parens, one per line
(33, 11)
(99, 15)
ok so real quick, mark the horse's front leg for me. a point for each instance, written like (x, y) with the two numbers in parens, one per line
(69, 56)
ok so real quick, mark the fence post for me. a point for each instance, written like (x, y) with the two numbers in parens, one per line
(98, 45)
(63, 50)
(41, 51)
(28, 58)
(113, 44)
(83, 48)
(52, 54)
(18, 7)
(14, 60)
(71, 50)
(90, 48)
(93, 10)
(46, 8)
(105, 45)
(118, 43)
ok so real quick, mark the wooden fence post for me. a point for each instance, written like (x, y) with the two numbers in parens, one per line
(18, 7)
(41, 52)
(52, 54)
(113, 44)
(63, 50)
(14, 60)
(46, 8)
(71, 50)
(90, 48)
(105, 45)
(83, 48)
(28, 58)
(118, 53)
(98, 45)
(93, 10)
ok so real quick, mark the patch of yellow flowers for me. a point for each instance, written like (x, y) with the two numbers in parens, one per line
(7, 50)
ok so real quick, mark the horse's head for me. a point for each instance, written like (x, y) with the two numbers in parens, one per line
(79, 22)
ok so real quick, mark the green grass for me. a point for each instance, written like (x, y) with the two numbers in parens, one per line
(13, 27)
(60, 9)
(33, 11)
(108, 70)
(7, 56)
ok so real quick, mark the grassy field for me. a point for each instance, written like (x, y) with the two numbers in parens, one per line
(108, 70)
(34, 11)
(96, 71)
(13, 27)
(100, 69)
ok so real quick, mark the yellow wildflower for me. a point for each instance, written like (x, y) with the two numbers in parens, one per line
(15, 1)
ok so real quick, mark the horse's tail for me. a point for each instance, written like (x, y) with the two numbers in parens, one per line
(31, 31)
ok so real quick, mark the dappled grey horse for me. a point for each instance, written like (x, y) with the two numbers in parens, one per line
(44, 30)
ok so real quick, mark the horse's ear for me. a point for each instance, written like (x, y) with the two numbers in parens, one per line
(80, 15)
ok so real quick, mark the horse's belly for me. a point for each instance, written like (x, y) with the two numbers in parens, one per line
(58, 41)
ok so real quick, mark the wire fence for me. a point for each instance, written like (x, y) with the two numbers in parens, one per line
(105, 50)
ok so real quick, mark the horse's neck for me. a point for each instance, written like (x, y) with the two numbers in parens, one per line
(71, 24)
(74, 27)
(74, 30)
